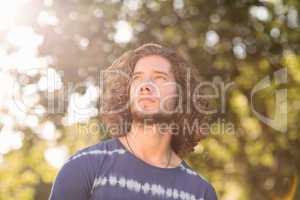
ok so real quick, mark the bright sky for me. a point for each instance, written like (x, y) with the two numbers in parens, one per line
(24, 60)
(14, 104)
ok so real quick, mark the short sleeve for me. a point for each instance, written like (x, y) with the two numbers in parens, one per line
(73, 181)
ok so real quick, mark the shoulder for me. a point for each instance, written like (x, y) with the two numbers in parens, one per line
(92, 157)
(76, 177)
(88, 160)
(200, 183)
(104, 147)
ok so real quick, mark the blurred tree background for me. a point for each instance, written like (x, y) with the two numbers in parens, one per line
(51, 52)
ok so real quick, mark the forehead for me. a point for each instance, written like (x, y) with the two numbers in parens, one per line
(153, 63)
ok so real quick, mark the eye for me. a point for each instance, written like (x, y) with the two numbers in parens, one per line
(161, 78)
(135, 78)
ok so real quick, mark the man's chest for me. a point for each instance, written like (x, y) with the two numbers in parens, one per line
(120, 188)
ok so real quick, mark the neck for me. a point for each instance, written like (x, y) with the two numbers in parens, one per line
(149, 143)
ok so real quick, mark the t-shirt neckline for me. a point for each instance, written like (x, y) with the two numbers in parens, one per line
(120, 144)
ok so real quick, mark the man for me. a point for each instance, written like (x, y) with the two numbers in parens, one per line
(145, 159)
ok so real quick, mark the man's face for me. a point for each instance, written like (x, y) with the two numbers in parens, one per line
(153, 89)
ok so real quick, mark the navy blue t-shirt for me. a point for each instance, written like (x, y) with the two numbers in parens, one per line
(107, 171)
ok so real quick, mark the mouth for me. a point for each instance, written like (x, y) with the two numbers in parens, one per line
(151, 99)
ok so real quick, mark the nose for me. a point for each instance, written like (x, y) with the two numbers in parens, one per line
(147, 88)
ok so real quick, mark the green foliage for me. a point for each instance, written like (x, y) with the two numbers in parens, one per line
(243, 157)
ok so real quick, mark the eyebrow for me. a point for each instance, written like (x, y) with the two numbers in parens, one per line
(155, 71)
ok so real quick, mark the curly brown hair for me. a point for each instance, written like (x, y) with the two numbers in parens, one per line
(115, 96)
